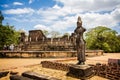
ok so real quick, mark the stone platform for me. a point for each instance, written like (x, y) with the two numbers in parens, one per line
(47, 54)
(80, 71)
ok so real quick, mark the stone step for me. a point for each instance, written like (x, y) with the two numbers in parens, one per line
(3, 74)
(18, 77)
(37, 76)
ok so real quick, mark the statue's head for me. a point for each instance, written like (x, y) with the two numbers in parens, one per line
(79, 18)
(79, 21)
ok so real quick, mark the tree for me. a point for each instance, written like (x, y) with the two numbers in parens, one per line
(102, 38)
(8, 35)
(1, 18)
(16, 37)
(66, 34)
(54, 34)
(119, 42)
(45, 32)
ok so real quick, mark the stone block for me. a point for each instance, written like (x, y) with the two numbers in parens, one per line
(80, 71)
(18, 77)
(37, 76)
(3, 74)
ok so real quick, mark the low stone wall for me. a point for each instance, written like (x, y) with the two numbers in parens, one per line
(55, 65)
(110, 71)
(48, 54)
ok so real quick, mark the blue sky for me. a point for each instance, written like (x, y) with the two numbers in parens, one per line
(60, 15)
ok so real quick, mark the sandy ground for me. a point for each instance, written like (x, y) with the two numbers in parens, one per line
(20, 64)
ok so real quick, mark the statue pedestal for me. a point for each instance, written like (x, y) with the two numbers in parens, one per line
(80, 71)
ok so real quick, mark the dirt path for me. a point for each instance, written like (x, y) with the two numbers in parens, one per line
(21, 64)
(14, 63)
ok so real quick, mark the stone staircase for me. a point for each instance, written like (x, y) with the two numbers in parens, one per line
(48, 46)
(35, 46)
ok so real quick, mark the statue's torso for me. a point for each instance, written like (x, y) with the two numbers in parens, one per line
(79, 32)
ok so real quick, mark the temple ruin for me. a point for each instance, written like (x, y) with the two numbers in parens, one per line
(37, 41)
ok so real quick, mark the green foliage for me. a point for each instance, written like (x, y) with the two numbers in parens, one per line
(66, 35)
(16, 37)
(8, 36)
(45, 32)
(54, 34)
(102, 38)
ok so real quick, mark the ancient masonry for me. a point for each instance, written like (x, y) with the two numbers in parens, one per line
(37, 41)
(110, 71)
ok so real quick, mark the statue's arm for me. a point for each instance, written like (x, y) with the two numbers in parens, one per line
(84, 29)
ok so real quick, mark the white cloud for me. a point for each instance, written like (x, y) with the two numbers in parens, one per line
(91, 20)
(17, 3)
(116, 14)
(51, 13)
(30, 1)
(42, 27)
(87, 9)
(90, 5)
(93, 13)
(54, 13)
(19, 11)
(5, 5)
(65, 24)
(56, 7)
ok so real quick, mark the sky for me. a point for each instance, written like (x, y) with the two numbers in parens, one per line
(60, 15)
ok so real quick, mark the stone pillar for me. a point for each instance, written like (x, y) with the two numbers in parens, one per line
(51, 40)
(36, 39)
(30, 39)
(43, 39)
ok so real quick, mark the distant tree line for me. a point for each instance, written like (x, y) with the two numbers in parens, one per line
(102, 38)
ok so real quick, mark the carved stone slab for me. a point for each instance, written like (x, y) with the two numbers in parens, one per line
(18, 77)
(3, 74)
(36, 76)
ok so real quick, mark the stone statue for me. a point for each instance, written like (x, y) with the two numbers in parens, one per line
(1, 18)
(81, 70)
(80, 42)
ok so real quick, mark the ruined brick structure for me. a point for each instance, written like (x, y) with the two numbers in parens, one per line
(37, 41)
(36, 35)
(110, 71)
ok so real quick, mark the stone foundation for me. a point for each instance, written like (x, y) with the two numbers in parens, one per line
(80, 71)
(48, 54)
(110, 71)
